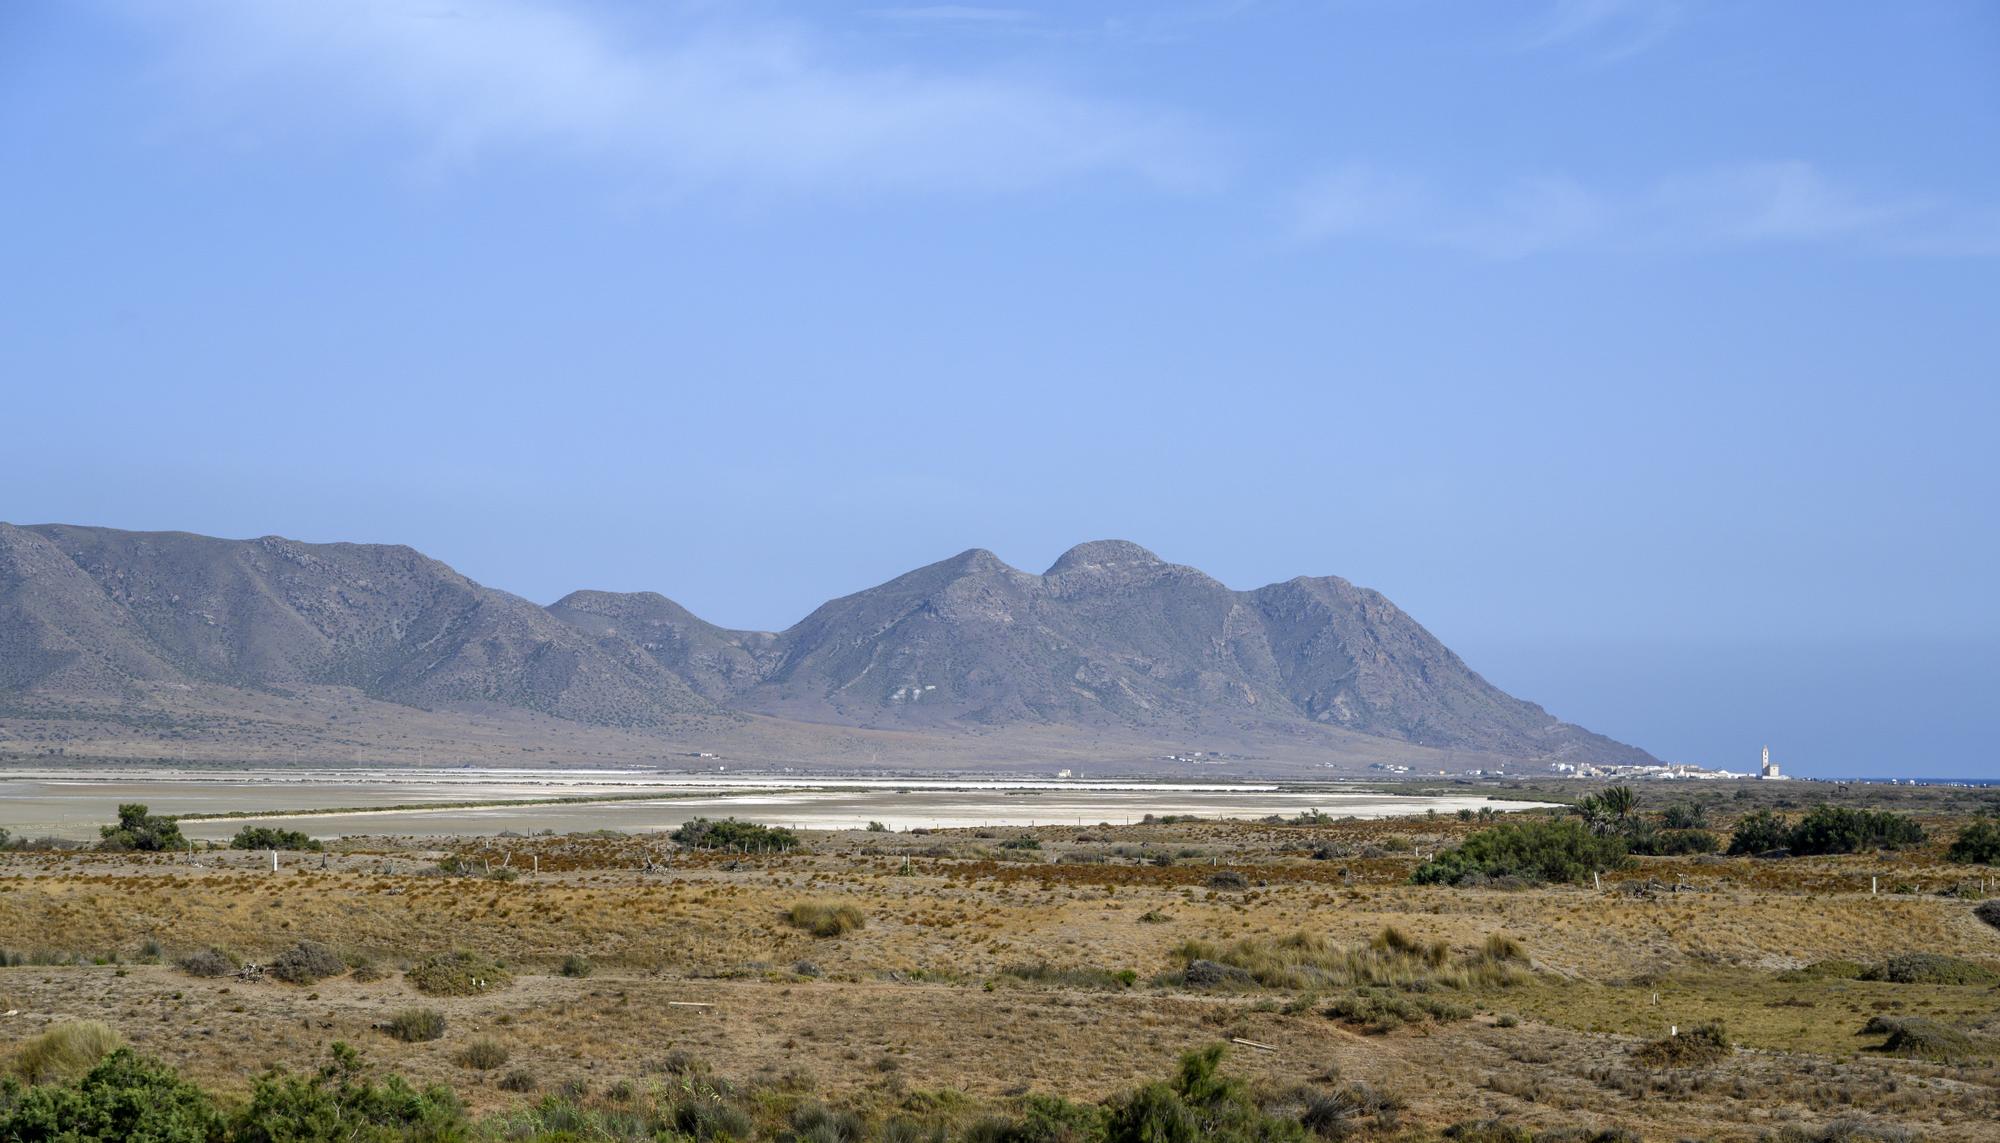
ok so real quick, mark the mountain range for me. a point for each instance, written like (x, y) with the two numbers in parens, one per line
(1111, 644)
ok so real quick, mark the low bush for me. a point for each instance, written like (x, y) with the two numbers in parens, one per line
(518, 1081)
(416, 1025)
(209, 962)
(1350, 1109)
(1558, 849)
(122, 1097)
(1988, 911)
(703, 833)
(824, 919)
(66, 1051)
(265, 837)
(1379, 1010)
(1837, 829)
(1976, 844)
(483, 1054)
(307, 962)
(1760, 831)
(577, 966)
(1644, 838)
(1228, 879)
(1931, 968)
(1920, 1039)
(458, 973)
(1044, 973)
(140, 829)
(1703, 1044)
(343, 1101)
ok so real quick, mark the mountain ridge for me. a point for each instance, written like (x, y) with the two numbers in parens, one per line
(1110, 640)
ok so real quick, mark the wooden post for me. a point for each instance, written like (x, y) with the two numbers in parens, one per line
(274, 861)
(1871, 886)
(1597, 881)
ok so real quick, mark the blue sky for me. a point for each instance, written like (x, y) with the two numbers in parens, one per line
(1644, 350)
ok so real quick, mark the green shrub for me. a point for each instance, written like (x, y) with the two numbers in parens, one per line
(483, 1054)
(458, 973)
(307, 962)
(1558, 849)
(1199, 1105)
(1976, 844)
(1644, 838)
(1684, 815)
(1702, 1044)
(66, 1051)
(416, 1025)
(343, 1102)
(123, 1097)
(577, 966)
(702, 833)
(823, 919)
(1759, 832)
(1837, 829)
(265, 837)
(141, 830)
(518, 1081)
(1988, 911)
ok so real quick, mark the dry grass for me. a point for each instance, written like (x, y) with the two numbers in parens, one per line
(1392, 959)
(66, 1051)
(1421, 966)
(823, 919)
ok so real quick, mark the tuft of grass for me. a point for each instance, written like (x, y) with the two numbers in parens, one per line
(66, 1051)
(483, 1054)
(518, 1080)
(577, 966)
(824, 919)
(458, 973)
(416, 1025)
(1703, 1044)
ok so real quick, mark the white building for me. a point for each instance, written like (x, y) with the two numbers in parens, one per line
(1769, 771)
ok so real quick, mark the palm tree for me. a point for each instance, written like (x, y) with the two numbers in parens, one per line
(1620, 801)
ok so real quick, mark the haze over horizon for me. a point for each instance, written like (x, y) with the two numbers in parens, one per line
(1642, 351)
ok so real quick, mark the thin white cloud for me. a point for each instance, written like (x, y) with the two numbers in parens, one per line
(706, 99)
(951, 14)
(1606, 31)
(1755, 204)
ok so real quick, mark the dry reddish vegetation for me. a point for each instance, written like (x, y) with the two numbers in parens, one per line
(988, 969)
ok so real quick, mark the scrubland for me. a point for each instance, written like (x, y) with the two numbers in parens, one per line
(940, 979)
